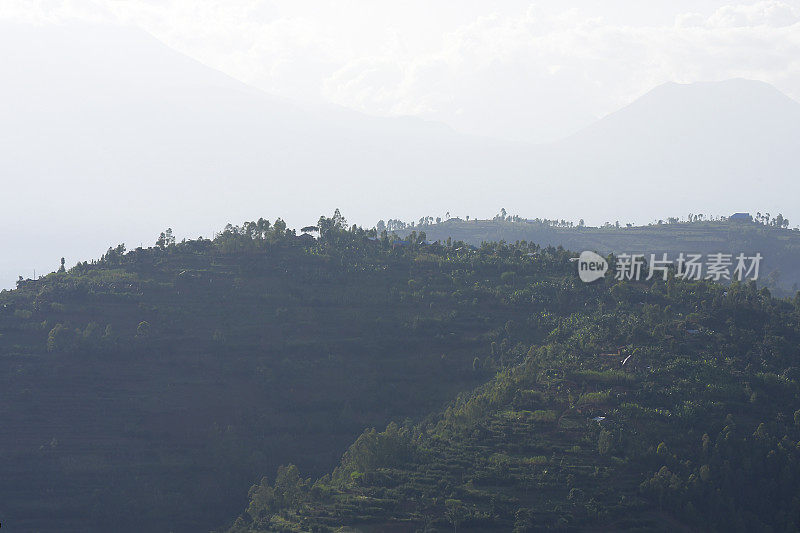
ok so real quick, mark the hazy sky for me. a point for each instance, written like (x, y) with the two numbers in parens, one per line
(511, 68)
(89, 106)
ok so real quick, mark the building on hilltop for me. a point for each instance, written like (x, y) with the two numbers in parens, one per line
(740, 217)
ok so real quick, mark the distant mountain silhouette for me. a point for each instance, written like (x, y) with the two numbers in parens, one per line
(701, 148)
(108, 136)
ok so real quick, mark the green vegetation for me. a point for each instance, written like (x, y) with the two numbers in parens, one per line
(779, 245)
(359, 381)
(692, 432)
(152, 387)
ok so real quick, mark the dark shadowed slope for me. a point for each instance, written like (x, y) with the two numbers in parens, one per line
(148, 391)
(619, 406)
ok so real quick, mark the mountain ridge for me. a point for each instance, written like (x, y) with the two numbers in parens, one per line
(194, 154)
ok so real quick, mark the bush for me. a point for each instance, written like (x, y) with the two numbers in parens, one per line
(373, 450)
(60, 339)
(605, 442)
(143, 329)
(542, 415)
(591, 398)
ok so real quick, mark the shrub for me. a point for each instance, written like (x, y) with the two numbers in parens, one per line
(60, 339)
(594, 398)
(143, 329)
(374, 450)
(605, 442)
(542, 415)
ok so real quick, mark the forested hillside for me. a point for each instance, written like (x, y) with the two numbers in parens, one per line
(615, 406)
(150, 389)
(771, 237)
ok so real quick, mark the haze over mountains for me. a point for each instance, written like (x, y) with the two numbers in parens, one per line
(700, 148)
(109, 136)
